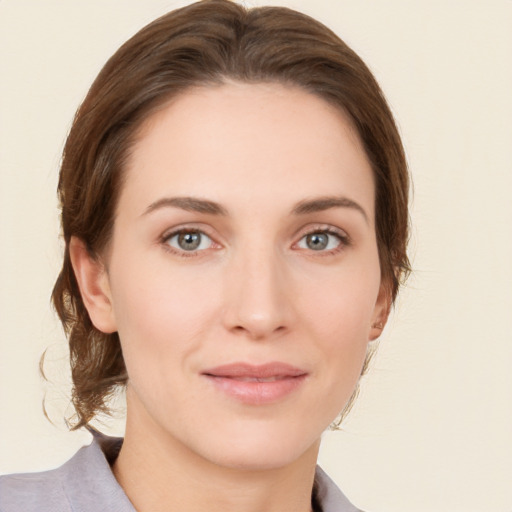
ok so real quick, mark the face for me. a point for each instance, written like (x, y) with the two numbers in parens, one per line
(243, 273)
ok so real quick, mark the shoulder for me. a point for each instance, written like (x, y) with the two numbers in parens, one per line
(33, 492)
(84, 483)
(329, 495)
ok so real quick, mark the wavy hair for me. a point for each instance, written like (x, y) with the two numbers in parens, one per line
(208, 42)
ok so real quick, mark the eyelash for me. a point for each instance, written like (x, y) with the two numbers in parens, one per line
(181, 252)
(343, 238)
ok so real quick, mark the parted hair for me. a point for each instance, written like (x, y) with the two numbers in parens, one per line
(207, 42)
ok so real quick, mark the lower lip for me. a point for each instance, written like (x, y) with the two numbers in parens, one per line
(257, 393)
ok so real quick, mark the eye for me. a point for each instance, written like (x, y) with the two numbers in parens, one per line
(188, 240)
(323, 240)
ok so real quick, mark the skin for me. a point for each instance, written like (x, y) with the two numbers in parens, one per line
(254, 291)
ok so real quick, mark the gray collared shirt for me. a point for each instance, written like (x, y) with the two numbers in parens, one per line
(85, 483)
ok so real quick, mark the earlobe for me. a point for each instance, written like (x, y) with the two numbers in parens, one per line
(94, 286)
(381, 312)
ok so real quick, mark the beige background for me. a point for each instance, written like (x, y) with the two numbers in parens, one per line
(432, 428)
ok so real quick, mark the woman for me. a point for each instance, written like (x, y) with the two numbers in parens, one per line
(234, 207)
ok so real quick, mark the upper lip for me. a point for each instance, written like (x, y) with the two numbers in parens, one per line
(260, 371)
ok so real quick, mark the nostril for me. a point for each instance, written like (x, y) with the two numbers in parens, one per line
(258, 332)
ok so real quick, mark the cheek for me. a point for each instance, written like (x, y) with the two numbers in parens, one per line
(338, 316)
(160, 313)
(340, 303)
(342, 337)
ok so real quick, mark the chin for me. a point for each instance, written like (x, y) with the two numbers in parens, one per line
(259, 460)
(258, 449)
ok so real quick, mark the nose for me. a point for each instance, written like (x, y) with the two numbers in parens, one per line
(257, 296)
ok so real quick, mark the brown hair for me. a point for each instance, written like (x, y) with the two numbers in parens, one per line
(207, 42)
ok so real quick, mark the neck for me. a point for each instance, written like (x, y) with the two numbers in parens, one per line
(158, 473)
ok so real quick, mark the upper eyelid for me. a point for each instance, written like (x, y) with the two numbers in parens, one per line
(168, 233)
(327, 228)
(171, 233)
(344, 242)
(342, 234)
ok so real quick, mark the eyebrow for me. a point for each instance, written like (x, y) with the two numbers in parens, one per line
(321, 204)
(304, 207)
(191, 204)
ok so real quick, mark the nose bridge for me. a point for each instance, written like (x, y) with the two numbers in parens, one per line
(257, 291)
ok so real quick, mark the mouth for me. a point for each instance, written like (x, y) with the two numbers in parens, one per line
(256, 384)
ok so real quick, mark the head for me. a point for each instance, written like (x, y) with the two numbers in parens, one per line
(205, 47)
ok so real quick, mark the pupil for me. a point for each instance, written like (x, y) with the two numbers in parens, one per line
(189, 241)
(317, 241)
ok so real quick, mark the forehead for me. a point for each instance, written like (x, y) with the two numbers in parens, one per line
(238, 142)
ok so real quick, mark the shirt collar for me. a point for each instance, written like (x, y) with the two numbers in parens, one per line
(91, 485)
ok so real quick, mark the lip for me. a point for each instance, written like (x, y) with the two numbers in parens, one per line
(256, 384)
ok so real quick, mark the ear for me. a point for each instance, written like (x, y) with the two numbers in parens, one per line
(94, 286)
(380, 312)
